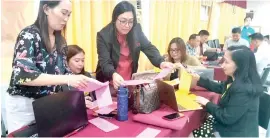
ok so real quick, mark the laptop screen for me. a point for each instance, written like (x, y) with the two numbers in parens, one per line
(59, 114)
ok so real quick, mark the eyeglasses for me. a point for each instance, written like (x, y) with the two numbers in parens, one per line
(125, 22)
(174, 50)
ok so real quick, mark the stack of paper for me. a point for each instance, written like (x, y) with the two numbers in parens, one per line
(185, 100)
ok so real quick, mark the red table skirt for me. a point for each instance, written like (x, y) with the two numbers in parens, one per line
(131, 128)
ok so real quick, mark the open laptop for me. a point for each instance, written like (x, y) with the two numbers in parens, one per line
(60, 114)
(168, 97)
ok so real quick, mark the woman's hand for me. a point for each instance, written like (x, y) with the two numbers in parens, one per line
(195, 76)
(88, 102)
(117, 80)
(78, 81)
(201, 100)
(164, 65)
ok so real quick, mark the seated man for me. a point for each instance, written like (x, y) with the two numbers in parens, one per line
(262, 54)
(192, 44)
(236, 39)
(204, 34)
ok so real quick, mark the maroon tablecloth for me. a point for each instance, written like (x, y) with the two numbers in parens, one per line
(131, 128)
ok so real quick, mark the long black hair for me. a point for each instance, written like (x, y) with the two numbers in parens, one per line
(42, 24)
(246, 70)
(120, 8)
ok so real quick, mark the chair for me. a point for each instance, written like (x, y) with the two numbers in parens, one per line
(264, 110)
(216, 42)
(211, 43)
(219, 74)
(265, 74)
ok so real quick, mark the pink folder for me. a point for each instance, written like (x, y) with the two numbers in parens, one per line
(155, 118)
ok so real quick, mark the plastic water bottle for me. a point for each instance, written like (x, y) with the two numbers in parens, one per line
(122, 104)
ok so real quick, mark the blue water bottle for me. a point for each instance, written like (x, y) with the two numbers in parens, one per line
(122, 104)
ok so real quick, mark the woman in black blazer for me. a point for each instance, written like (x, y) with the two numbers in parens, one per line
(236, 115)
(119, 45)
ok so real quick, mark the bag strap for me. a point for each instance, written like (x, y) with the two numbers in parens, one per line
(137, 94)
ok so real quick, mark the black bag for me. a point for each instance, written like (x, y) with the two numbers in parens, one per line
(211, 55)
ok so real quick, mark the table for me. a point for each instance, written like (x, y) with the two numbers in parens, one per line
(132, 129)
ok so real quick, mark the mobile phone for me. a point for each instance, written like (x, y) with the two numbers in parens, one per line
(172, 116)
(107, 116)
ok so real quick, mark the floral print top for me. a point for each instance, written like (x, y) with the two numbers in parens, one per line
(32, 59)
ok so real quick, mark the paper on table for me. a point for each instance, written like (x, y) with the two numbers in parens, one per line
(163, 73)
(103, 96)
(103, 124)
(149, 133)
(136, 82)
(107, 109)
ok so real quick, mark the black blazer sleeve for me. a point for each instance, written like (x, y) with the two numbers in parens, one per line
(105, 61)
(211, 85)
(236, 107)
(148, 49)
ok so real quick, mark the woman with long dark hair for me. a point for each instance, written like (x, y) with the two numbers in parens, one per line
(39, 67)
(177, 55)
(236, 114)
(119, 45)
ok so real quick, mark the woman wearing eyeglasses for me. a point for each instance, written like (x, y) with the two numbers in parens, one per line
(177, 55)
(119, 45)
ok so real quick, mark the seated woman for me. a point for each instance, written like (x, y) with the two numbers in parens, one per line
(177, 55)
(236, 114)
(75, 60)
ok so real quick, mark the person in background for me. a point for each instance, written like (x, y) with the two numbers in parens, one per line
(39, 63)
(177, 55)
(119, 45)
(239, 103)
(75, 61)
(236, 39)
(192, 44)
(266, 39)
(204, 34)
(262, 54)
(246, 30)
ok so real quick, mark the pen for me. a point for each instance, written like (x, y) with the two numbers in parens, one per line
(76, 131)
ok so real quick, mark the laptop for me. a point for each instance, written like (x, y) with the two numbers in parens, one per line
(60, 114)
(167, 96)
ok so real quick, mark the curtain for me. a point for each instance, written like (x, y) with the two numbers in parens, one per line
(230, 16)
(88, 18)
(13, 20)
(169, 19)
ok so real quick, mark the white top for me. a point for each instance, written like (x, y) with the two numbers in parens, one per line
(263, 57)
(230, 42)
(205, 47)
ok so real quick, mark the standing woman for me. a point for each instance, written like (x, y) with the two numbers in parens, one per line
(119, 45)
(39, 63)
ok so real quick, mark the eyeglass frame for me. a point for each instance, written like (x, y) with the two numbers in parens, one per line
(124, 23)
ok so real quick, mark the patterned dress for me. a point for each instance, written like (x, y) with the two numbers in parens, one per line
(32, 59)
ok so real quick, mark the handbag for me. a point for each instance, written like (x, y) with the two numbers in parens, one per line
(145, 96)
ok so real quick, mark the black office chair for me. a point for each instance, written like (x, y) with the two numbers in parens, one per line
(265, 74)
(211, 43)
(216, 42)
(264, 110)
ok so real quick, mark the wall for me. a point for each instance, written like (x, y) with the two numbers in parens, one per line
(261, 18)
